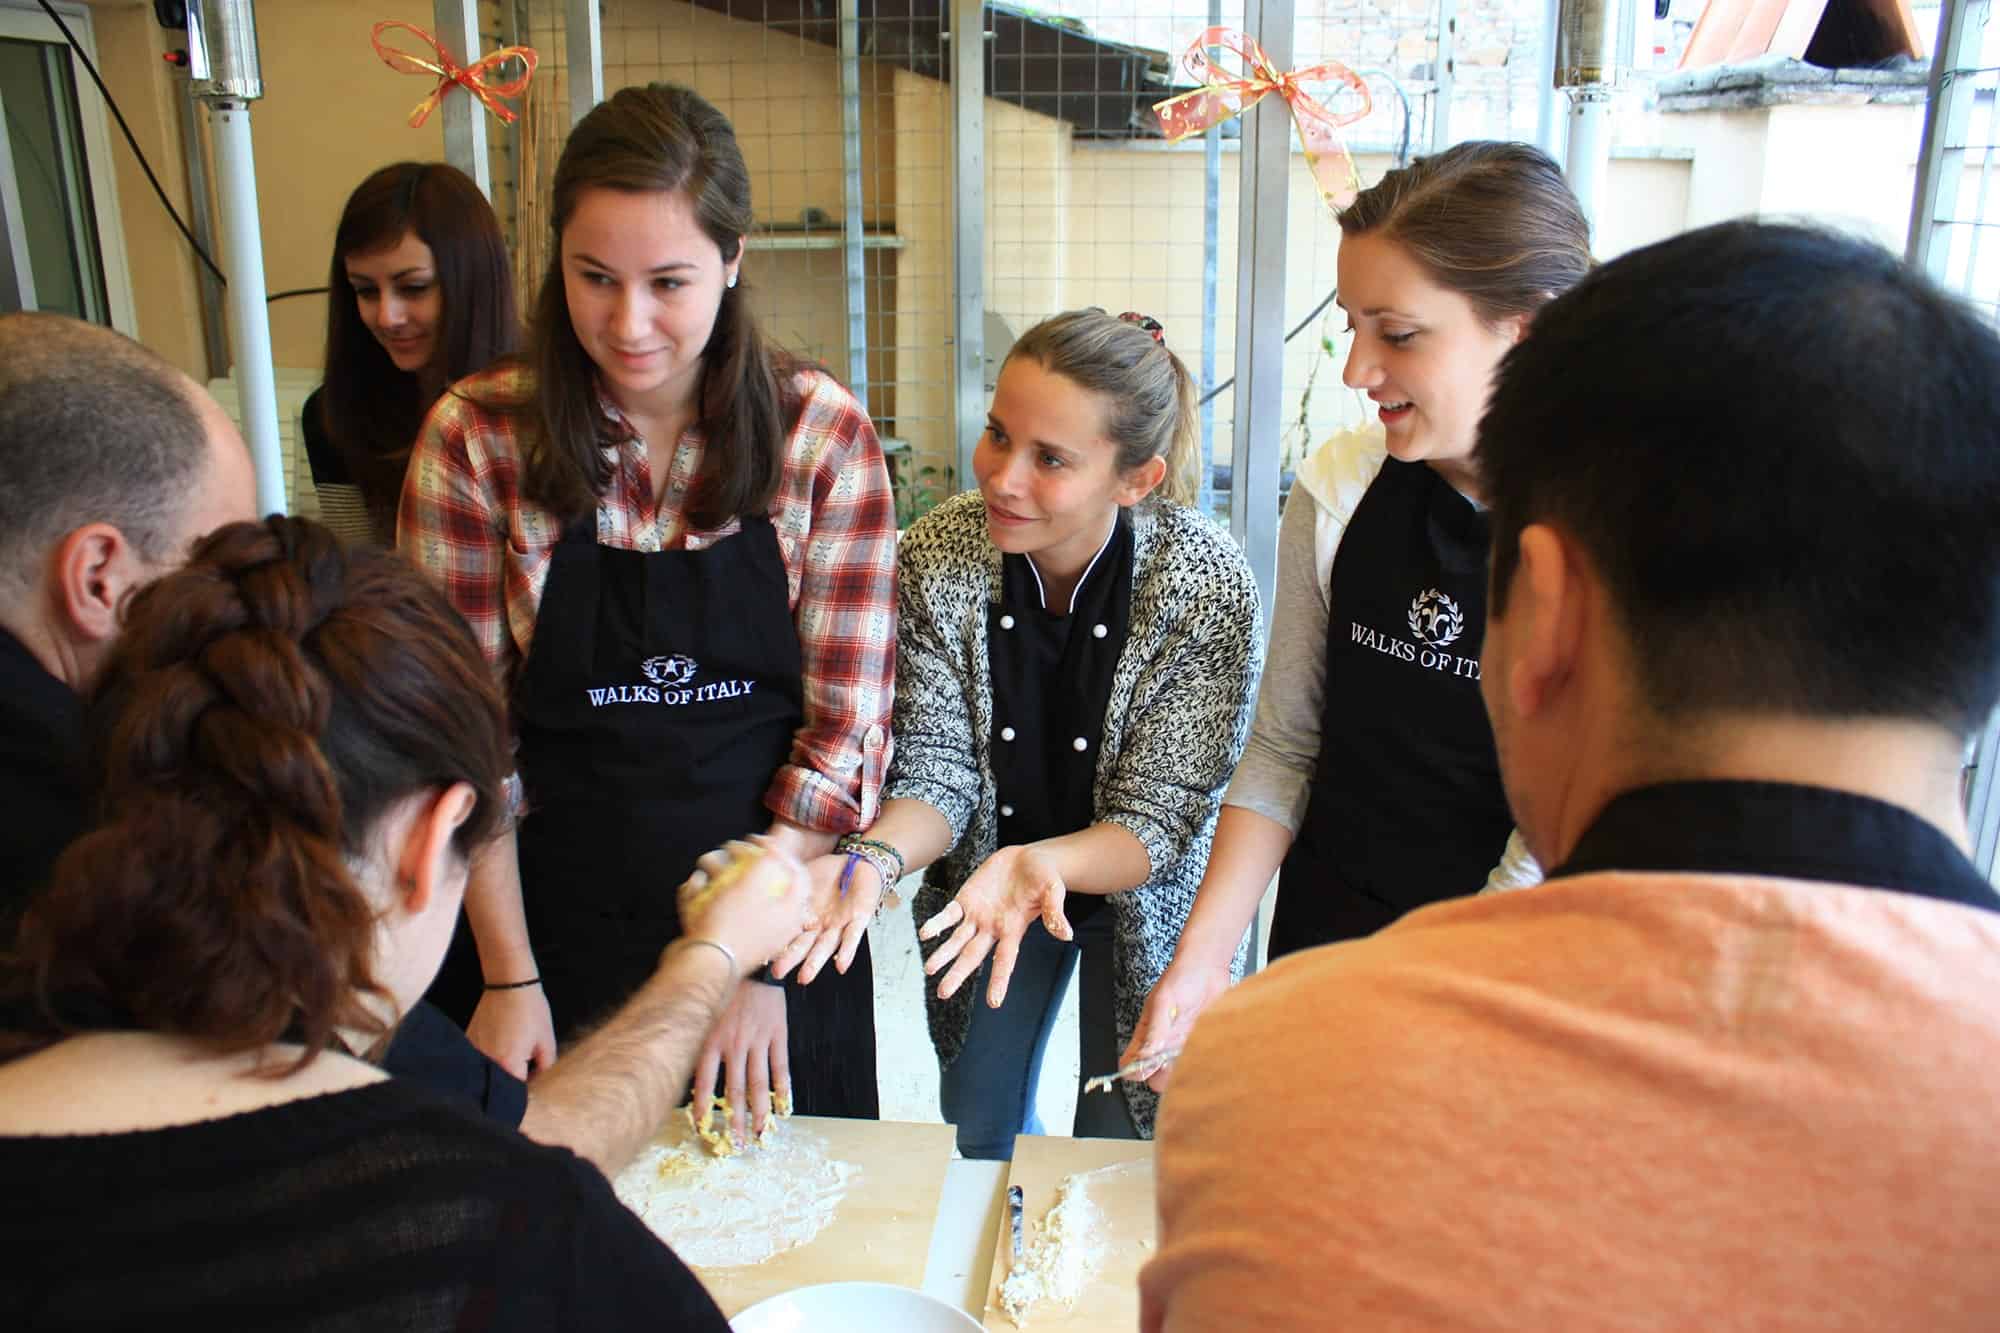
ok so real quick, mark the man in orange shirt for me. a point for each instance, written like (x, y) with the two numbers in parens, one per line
(1737, 1064)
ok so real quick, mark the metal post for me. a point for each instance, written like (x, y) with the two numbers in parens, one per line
(226, 76)
(1265, 179)
(214, 333)
(968, 217)
(583, 34)
(249, 318)
(1947, 117)
(1550, 124)
(1589, 150)
(852, 226)
(1446, 67)
(17, 269)
(1211, 264)
(464, 118)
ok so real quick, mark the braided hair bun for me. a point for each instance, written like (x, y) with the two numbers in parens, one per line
(267, 704)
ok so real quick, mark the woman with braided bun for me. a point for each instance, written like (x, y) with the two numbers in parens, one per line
(1075, 661)
(298, 748)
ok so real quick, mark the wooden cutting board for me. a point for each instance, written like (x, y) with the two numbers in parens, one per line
(1111, 1301)
(882, 1229)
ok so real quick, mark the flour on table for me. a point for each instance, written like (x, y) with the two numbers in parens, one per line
(727, 1212)
(1067, 1248)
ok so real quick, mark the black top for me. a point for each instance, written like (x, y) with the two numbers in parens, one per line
(376, 1208)
(1052, 670)
(1406, 806)
(42, 800)
(329, 468)
(1777, 829)
(43, 809)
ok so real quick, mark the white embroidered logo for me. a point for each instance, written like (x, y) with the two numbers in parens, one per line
(1435, 618)
(671, 670)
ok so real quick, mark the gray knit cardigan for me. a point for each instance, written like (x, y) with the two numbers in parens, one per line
(1176, 724)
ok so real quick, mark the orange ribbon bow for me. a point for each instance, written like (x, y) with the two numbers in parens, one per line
(448, 72)
(1222, 96)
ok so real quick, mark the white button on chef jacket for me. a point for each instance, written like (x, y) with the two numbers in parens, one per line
(1006, 733)
(1098, 631)
(1007, 810)
(1080, 744)
(1006, 622)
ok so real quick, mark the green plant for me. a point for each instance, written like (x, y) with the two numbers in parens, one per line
(920, 489)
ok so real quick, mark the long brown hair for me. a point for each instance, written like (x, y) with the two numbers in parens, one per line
(1148, 393)
(266, 705)
(1493, 221)
(659, 137)
(371, 410)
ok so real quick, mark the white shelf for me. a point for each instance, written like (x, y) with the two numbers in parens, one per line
(821, 240)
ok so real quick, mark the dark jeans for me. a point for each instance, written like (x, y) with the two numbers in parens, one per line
(988, 1092)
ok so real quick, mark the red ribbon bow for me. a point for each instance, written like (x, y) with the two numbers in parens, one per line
(1222, 96)
(448, 72)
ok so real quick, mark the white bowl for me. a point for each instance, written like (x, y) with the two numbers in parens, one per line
(874, 1306)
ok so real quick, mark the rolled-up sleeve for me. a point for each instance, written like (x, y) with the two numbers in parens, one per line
(846, 617)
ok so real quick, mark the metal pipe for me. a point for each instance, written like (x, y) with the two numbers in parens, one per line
(1211, 264)
(1589, 152)
(249, 319)
(852, 222)
(214, 329)
(1265, 177)
(463, 116)
(222, 60)
(584, 35)
(968, 217)
(1587, 64)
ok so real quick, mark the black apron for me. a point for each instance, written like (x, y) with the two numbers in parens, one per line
(1406, 805)
(661, 694)
(1052, 676)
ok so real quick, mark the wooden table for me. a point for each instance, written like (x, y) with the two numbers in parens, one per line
(1111, 1301)
(882, 1230)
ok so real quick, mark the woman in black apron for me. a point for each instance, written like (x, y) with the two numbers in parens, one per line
(1077, 656)
(1370, 773)
(678, 545)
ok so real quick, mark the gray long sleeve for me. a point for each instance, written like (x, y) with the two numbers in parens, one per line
(1275, 776)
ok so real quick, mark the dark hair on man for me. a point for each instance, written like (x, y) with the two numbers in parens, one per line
(1780, 448)
(373, 411)
(644, 139)
(93, 428)
(267, 704)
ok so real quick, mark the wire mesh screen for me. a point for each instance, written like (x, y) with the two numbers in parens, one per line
(879, 319)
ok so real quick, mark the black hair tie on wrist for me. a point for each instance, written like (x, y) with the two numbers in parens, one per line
(513, 985)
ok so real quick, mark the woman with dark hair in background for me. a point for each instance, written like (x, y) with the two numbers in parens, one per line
(676, 545)
(298, 748)
(420, 294)
(1370, 776)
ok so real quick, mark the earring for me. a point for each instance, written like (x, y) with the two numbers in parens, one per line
(732, 282)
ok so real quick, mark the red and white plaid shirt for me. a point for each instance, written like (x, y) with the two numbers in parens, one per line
(464, 519)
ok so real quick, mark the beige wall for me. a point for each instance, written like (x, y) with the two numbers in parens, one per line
(332, 112)
(1853, 166)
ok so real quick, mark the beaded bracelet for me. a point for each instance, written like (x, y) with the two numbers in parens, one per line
(883, 856)
(513, 985)
(886, 869)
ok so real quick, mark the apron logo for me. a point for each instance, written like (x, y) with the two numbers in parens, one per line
(1435, 622)
(674, 670)
(665, 676)
(1435, 618)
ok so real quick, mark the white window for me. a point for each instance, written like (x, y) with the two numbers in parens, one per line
(61, 247)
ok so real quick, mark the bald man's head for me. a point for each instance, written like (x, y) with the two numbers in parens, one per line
(95, 428)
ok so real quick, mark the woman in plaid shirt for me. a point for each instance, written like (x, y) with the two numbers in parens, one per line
(676, 545)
